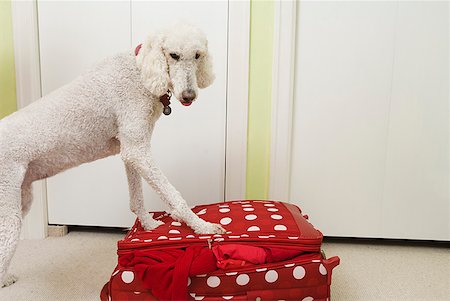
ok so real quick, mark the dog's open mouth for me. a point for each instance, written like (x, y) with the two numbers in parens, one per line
(186, 103)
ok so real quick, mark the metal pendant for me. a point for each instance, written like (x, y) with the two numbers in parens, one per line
(167, 110)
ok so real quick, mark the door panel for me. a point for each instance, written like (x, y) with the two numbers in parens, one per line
(341, 108)
(188, 145)
(370, 153)
(416, 201)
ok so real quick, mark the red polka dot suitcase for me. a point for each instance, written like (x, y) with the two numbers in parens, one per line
(149, 261)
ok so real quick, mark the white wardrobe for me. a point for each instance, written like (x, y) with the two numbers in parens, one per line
(188, 145)
(370, 134)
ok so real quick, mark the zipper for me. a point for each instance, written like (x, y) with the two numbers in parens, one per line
(307, 245)
(301, 259)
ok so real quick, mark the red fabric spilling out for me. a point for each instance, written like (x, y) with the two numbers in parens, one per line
(166, 272)
(231, 256)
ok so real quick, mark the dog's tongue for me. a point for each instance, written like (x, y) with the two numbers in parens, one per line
(186, 104)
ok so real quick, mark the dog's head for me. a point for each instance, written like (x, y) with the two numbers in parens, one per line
(177, 59)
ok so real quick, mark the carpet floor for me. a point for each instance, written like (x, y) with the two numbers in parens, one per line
(75, 267)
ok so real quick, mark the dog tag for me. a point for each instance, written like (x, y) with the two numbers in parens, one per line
(167, 110)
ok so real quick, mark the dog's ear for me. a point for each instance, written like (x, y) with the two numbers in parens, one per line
(205, 74)
(153, 65)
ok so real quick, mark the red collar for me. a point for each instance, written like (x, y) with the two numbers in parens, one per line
(164, 99)
(138, 47)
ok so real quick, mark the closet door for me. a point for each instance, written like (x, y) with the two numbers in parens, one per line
(416, 201)
(370, 152)
(188, 145)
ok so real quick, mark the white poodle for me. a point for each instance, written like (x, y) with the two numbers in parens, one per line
(110, 109)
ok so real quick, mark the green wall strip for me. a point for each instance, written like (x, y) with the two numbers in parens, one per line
(260, 99)
(7, 71)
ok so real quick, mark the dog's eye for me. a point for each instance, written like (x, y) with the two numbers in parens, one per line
(175, 56)
(197, 55)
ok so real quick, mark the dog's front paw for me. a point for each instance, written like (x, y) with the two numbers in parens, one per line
(148, 223)
(8, 279)
(209, 228)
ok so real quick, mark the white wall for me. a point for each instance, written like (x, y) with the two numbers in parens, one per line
(370, 145)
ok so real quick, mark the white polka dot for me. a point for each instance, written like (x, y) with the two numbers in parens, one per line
(189, 281)
(322, 269)
(269, 205)
(280, 228)
(224, 210)
(272, 209)
(127, 276)
(276, 216)
(308, 299)
(227, 297)
(261, 270)
(217, 235)
(271, 276)
(315, 260)
(219, 239)
(177, 224)
(247, 205)
(190, 236)
(245, 235)
(263, 236)
(293, 237)
(201, 275)
(213, 281)
(289, 265)
(234, 236)
(205, 237)
(251, 217)
(231, 273)
(175, 238)
(199, 297)
(148, 240)
(299, 272)
(254, 228)
(201, 212)
(174, 231)
(242, 279)
(135, 239)
(249, 209)
(224, 206)
(225, 221)
(162, 237)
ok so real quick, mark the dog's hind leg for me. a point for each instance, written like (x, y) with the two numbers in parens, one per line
(137, 199)
(11, 178)
(27, 195)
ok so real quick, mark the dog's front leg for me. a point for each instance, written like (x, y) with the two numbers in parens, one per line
(136, 153)
(137, 199)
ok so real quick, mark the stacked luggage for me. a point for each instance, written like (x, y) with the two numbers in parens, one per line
(269, 252)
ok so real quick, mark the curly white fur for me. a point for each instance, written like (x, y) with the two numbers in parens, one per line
(110, 109)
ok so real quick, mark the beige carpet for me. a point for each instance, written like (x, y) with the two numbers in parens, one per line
(75, 267)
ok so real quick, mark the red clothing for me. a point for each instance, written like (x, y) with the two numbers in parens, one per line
(231, 256)
(166, 272)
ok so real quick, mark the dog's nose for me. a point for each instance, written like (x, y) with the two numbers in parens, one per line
(188, 95)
